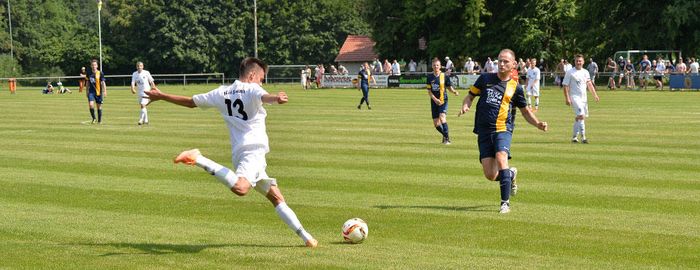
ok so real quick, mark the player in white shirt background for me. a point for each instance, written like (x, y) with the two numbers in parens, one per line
(241, 106)
(533, 84)
(142, 80)
(575, 83)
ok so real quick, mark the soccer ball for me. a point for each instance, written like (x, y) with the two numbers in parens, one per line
(355, 231)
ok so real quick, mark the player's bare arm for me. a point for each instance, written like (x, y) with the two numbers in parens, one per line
(155, 94)
(452, 89)
(133, 88)
(532, 119)
(567, 98)
(279, 98)
(591, 88)
(104, 90)
(466, 104)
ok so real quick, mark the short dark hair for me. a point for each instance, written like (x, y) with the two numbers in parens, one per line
(249, 63)
(93, 60)
(578, 55)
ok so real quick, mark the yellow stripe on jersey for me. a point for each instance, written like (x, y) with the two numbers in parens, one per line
(475, 91)
(442, 87)
(98, 82)
(505, 106)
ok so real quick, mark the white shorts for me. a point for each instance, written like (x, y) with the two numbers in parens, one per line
(580, 107)
(251, 164)
(533, 90)
(143, 100)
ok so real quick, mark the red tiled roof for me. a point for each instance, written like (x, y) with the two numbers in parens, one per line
(357, 49)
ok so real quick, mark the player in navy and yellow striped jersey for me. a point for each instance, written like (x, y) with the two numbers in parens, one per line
(437, 83)
(97, 91)
(495, 120)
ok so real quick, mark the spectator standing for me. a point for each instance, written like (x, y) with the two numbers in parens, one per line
(592, 70)
(659, 71)
(611, 67)
(387, 67)
(395, 68)
(342, 70)
(629, 73)
(621, 65)
(377, 66)
(412, 66)
(469, 66)
(83, 79)
(694, 67)
(644, 71)
(559, 73)
(488, 65)
(681, 67)
(449, 66)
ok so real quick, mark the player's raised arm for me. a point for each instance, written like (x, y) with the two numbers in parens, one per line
(279, 98)
(155, 94)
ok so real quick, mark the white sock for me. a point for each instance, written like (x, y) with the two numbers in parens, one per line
(537, 101)
(575, 129)
(288, 216)
(145, 115)
(222, 173)
(141, 116)
(582, 129)
(529, 101)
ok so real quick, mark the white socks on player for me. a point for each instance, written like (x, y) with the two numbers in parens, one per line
(580, 128)
(222, 173)
(144, 116)
(288, 216)
(537, 101)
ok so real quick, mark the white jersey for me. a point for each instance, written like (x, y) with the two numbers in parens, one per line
(241, 106)
(142, 80)
(532, 75)
(577, 80)
(694, 67)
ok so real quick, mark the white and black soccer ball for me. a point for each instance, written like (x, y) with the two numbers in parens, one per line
(355, 231)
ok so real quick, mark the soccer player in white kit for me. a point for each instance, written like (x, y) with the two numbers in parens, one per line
(533, 84)
(241, 106)
(575, 83)
(142, 80)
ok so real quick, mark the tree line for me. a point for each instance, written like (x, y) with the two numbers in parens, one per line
(57, 37)
(546, 29)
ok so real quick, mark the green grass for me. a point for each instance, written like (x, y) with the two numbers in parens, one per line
(76, 196)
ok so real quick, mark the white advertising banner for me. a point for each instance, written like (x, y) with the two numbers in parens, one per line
(466, 81)
(347, 81)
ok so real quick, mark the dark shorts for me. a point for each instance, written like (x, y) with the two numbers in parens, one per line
(438, 109)
(658, 78)
(491, 143)
(94, 97)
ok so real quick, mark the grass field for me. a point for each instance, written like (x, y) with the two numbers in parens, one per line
(80, 196)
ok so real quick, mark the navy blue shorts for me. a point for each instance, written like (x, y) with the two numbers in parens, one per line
(491, 143)
(438, 109)
(94, 97)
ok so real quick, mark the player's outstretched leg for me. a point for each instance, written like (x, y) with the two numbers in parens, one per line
(194, 157)
(506, 181)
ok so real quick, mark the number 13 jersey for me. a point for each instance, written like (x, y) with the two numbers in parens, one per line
(241, 106)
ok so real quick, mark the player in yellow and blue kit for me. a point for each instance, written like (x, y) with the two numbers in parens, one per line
(437, 83)
(495, 120)
(97, 90)
(364, 76)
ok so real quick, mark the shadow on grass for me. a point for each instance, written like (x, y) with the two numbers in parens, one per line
(164, 249)
(476, 208)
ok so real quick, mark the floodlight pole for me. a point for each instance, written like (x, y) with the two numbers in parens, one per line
(99, 29)
(255, 26)
(9, 19)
